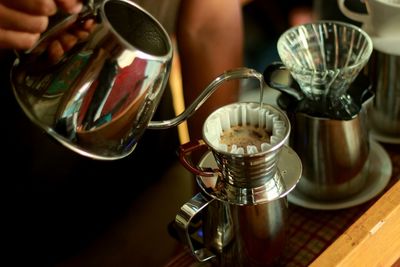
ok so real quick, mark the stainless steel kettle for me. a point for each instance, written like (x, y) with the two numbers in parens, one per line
(99, 95)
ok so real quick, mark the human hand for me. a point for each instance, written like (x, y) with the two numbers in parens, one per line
(67, 40)
(22, 21)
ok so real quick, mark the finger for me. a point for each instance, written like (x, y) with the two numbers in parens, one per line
(18, 21)
(88, 25)
(55, 51)
(17, 40)
(68, 41)
(70, 6)
(81, 34)
(82, 31)
(33, 7)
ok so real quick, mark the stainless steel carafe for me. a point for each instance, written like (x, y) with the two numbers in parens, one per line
(240, 226)
(241, 215)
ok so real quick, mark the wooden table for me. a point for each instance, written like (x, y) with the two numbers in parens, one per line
(374, 239)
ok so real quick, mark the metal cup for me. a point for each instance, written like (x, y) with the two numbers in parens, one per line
(334, 153)
(232, 234)
(334, 150)
(384, 113)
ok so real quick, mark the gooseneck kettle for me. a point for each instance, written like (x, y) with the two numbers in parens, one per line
(98, 96)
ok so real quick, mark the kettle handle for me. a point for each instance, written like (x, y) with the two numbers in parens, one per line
(183, 221)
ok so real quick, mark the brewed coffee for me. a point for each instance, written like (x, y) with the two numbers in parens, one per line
(245, 135)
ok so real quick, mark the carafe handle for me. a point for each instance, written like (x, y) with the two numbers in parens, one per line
(185, 152)
(183, 221)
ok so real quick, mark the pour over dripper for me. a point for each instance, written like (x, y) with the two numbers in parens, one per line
(324, 58)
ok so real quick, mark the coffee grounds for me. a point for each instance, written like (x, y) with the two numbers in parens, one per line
(245, 135)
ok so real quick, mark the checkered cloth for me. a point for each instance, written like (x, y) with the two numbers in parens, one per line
(311, 231)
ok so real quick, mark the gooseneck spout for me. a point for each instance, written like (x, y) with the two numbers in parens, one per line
(239, 73)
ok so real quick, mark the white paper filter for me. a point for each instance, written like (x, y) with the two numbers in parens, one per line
(243, 114)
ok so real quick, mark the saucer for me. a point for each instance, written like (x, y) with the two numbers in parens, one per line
(379, 175)
(289, 167)
(387, 44)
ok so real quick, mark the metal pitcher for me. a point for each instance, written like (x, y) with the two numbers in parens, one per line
(242, 205)
(334, 152)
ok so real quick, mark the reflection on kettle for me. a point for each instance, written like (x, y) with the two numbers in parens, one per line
(97, 97)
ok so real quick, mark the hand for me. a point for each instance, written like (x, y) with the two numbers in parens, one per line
(22, 21)
(68, 39)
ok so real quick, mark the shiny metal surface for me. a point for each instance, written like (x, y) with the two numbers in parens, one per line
(251, 171)
(384, 113)
(334, 154)
(238, 232)
(258, 233)
(244, 222)
(183, 220)
(288, 172)
(98, 96)
(245, 171)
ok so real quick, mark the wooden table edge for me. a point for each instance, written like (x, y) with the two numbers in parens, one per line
(373, 240)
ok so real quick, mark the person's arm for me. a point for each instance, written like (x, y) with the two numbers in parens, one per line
(22, 21)
(210, 41)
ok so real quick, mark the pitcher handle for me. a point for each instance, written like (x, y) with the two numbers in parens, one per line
(183, 220)
(360, 17)
(185, 152)
(270, 70)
